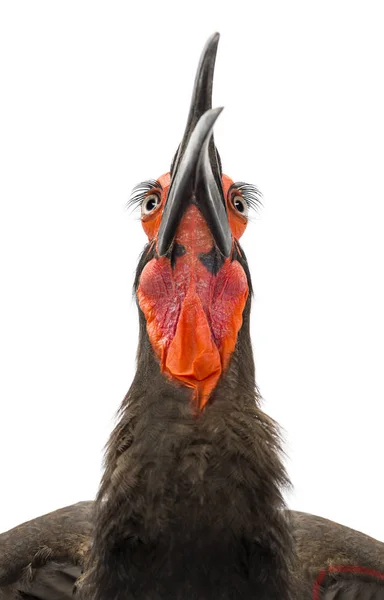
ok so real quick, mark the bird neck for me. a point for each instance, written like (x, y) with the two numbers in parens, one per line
(178, 479)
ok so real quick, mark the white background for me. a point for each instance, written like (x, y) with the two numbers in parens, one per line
(94, 99)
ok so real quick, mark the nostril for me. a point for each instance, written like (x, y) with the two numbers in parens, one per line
(177, 250)
(212, 260)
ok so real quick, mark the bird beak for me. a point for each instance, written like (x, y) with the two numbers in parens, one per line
(196, 177)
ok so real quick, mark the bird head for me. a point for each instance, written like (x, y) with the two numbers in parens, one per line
(192, 284)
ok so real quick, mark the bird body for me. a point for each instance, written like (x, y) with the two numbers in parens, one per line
(176, 505)
(43, 559)
(191, 505)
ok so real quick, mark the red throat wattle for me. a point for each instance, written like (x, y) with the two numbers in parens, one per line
(193, 310)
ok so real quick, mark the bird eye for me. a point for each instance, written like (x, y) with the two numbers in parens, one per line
(149, 204)
(240, 205)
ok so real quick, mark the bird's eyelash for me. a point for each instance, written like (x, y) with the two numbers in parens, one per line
(249, 192)
(140, 191)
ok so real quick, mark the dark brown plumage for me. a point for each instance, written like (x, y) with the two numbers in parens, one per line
(320, 544)
(45, 555)
(190, 505)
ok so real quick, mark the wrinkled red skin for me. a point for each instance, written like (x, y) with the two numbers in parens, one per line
(193, 316)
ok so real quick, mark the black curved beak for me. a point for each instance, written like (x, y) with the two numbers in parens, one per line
(196, 173)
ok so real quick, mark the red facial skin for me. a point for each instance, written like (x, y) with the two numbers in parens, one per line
(193, 316)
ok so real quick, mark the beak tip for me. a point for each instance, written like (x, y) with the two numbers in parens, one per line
(212, 42)
(210, 117)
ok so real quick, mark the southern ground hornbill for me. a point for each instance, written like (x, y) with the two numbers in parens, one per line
(190, 504)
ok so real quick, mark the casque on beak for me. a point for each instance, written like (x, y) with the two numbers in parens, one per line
(196, 177)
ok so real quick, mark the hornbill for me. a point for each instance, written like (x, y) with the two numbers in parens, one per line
(190, 505)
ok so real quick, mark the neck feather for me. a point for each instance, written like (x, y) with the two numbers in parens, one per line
(180, 479)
